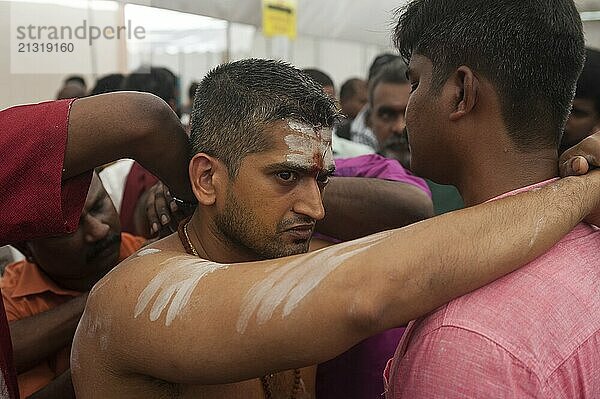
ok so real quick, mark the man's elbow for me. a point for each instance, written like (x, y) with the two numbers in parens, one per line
(152, 115)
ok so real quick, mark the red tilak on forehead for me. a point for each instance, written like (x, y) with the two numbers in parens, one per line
(318, 162)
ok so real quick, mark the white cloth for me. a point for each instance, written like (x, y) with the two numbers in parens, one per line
(113, 178)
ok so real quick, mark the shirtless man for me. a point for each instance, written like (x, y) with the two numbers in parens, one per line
(212, 311)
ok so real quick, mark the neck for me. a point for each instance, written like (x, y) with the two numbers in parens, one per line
(212, 245)
(488, 175)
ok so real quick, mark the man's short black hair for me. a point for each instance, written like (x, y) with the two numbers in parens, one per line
(391, 72)
(348, 89)
(108, 84)
(155, 80)
(319, 76)
(237, 101)
(588, 85)
(379, 62)
(532, 51)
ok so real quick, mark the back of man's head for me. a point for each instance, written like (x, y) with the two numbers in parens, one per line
(71, 90)
(323, 79)
(75, 79)
(235, 102)
(158, 81)
(108, 84)
(392, 72)
(353, 96)
(379, 62)
(532, 52)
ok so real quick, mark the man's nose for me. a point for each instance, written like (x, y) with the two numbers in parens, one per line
(310, 201)
(95, 229)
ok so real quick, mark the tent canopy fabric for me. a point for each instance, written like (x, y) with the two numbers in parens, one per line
(353, 20)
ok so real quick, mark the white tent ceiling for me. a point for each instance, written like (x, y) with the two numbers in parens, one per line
(360, 21)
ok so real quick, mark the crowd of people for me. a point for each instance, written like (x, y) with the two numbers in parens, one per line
(428, 233)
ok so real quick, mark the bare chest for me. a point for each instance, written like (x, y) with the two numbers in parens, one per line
(279, 386)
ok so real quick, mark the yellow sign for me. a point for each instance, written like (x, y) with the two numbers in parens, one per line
(279, 18)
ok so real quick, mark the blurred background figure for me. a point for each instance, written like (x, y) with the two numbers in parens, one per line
(76, 79)
(71, 90)
(186, 110)
(342, 147)
(584, 118)
(353, 97)
(323, 79)
(388, 95)
(358, 129)
(108, 84)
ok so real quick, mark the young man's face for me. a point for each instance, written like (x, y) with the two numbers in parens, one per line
(424, 123)
(274, 201)
(583, 121)
(77, 261)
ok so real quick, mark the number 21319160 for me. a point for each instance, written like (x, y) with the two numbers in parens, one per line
(46, 47)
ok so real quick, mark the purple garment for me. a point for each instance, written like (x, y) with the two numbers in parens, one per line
(358, 372)
(376, 166)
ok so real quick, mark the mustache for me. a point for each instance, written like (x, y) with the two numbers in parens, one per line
(112, 239)
(287, 224)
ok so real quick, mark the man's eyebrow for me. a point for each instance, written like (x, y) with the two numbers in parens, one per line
(409, 73)
(296, 167)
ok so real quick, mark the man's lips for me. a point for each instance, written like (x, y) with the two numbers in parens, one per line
(300, 232)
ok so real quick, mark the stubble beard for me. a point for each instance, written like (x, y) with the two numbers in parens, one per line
(239, 226)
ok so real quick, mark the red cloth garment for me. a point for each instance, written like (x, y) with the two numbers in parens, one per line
(35, 201)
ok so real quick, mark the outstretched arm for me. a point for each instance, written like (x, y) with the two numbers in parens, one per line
(133, 125)
(183, 320)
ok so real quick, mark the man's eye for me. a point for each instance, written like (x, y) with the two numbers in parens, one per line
(287, 176)
(413, 86)
(323, 179)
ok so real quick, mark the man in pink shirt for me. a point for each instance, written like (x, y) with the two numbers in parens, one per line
(496, 81)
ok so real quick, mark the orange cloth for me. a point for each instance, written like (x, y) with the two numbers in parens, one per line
(27, 291)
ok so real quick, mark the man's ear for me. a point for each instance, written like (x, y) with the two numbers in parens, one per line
(466, 89)
(202, 171)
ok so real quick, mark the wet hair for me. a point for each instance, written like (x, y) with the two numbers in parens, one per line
(237, 101)
(532, 51)
(158, 81)
(588, 85)
(392, 72)
(108, 84)
(348, 89)
(319, 76)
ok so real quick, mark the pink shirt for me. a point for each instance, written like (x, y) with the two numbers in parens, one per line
(533, 333)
